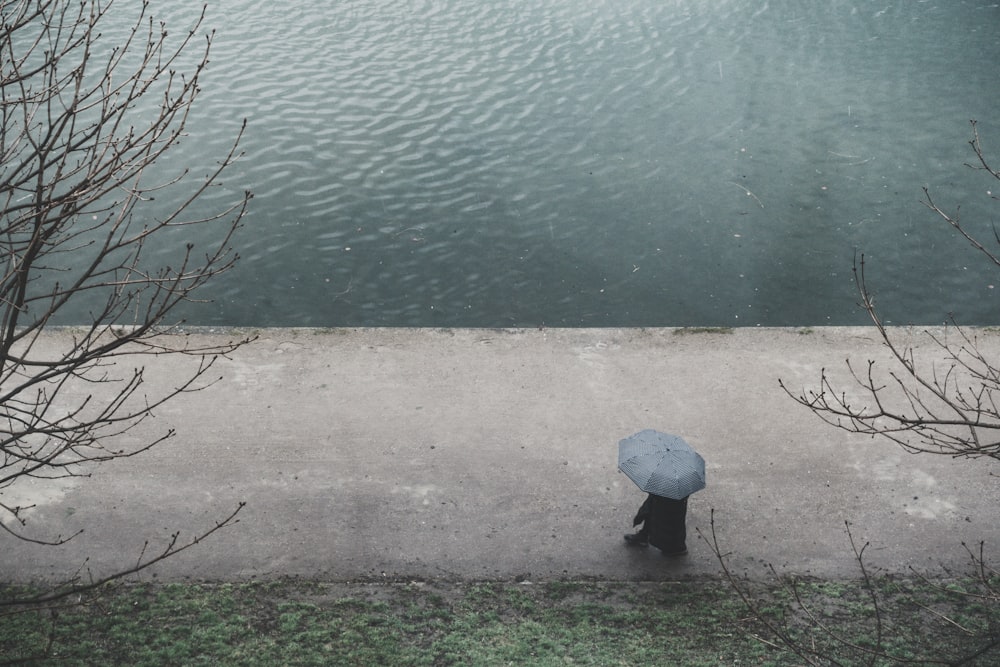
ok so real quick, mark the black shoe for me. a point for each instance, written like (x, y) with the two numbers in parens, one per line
(636, 540)
(673, 554)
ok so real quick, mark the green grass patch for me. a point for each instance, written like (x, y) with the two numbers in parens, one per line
(687, 623)
(682, 331)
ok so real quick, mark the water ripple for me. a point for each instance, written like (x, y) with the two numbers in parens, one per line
(493, 163)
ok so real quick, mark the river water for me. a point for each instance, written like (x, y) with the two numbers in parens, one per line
(600, 163)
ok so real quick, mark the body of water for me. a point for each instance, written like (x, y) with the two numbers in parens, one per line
(600, 163)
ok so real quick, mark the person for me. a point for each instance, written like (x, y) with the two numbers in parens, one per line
(663, 525)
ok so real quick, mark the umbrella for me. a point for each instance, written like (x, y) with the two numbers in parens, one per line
(661, 464)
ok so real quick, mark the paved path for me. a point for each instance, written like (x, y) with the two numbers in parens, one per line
(480, 454)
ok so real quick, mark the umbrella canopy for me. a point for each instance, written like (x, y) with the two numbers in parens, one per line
(661, 464)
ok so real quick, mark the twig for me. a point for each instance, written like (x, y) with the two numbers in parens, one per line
(852, 157)
(749, 194)
(944, 618)
(174, 546)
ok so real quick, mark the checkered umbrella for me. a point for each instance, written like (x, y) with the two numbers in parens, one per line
(661, 464)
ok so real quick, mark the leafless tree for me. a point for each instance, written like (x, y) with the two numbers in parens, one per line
(946, 404)
(94, 232)
(950, 407)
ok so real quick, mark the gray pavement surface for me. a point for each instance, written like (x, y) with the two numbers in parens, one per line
(490, 454)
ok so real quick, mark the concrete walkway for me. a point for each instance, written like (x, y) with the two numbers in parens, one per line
(490, 454)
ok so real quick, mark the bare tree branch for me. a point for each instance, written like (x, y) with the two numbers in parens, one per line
(947, 402)
(96, 232)
(816, 639)
(947, 406)
(78, 583)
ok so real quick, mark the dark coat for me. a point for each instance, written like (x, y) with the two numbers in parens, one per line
(664, 522)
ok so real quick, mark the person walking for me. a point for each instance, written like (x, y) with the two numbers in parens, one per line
(664, 525)
(669, 470)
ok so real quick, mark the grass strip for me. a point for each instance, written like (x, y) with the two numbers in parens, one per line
(296, 622)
